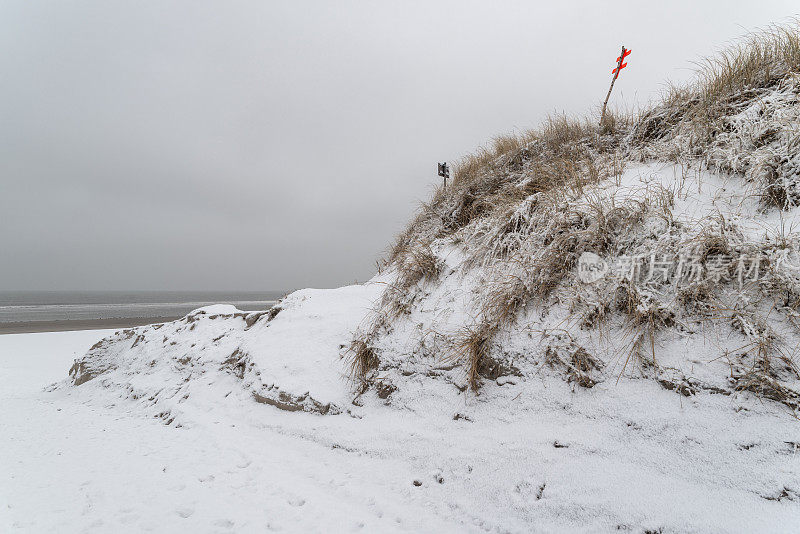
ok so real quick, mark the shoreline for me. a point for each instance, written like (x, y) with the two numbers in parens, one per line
(36, 327)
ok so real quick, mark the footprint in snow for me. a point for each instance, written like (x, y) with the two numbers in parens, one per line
(185, 512)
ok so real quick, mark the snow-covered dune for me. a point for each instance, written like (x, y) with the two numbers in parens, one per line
(288, 357)
(528, 453)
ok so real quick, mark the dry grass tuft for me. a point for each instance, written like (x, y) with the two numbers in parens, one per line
(472, 348)
(414, 264)
(471, 167)
(769, 364)
(646, 317)
(696, 121)
(420, 262)
(362, 359)
(507, 144)
(769, 388)
(758, 61)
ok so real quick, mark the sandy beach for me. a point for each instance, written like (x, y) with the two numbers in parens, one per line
(82, 324)
(35, 312)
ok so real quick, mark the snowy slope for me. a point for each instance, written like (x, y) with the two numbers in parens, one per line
(287, 357)
(156, 443)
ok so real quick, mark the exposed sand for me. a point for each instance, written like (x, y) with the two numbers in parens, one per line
(81, 324)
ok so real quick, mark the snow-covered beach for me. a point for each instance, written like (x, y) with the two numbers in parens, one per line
(589, 325)
(103, 457)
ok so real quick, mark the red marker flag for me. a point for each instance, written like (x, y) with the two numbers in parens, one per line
(621, 65)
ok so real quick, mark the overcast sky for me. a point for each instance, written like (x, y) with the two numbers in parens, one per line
(261, 145)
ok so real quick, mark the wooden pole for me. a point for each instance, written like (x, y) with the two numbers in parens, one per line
(614, 79)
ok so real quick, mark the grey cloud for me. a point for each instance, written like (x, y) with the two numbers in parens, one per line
(272, 145)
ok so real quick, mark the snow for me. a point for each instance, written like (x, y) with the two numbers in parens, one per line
(700, 194)
(216, 309)
(527, 454)
(592, 417)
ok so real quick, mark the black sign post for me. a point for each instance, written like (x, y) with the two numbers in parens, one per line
(444, 172)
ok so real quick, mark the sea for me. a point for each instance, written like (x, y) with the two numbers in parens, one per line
(38, 311)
